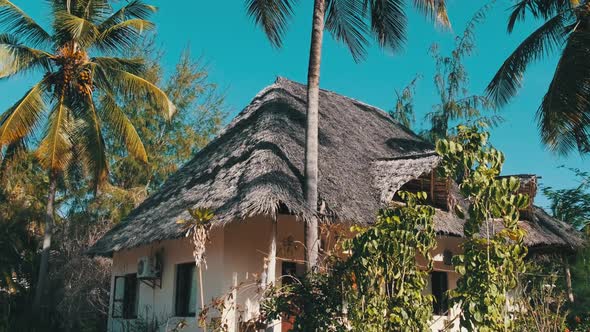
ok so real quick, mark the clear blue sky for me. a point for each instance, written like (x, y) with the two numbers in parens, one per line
(242, 61)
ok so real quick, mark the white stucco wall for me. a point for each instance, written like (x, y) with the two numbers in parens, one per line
(158, 303)
(235, 256)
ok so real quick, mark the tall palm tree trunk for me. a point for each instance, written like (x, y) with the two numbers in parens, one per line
(311, 133)
(44, 266)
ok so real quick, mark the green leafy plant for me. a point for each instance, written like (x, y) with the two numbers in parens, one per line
(314, 301)
(386, 283)
(78, 60)
(377, 288)
(493, 252)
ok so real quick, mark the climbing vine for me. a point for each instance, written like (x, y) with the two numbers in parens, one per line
(386, 282)
(493, 253)
(376, 284)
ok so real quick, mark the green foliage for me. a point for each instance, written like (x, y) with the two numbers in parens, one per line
(404, 106)
(451, 81)
(562, 116)
(200, 217)
(169, 143)
(200, 113)
(378, 288)
(571, 205)
(78, 282)
(580, 270)
(386, 281)
(315, 301)
(493, 252)
(353, 23)
(22, 209)
(80, 60)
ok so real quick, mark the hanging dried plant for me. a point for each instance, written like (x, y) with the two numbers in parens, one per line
(198, 229)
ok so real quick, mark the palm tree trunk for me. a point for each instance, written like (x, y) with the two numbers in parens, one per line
(311, 133)
(44, 266)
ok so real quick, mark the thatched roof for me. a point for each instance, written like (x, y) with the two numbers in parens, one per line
(255, 166)
(542, 231)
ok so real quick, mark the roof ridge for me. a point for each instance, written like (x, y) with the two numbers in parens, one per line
(282, 80)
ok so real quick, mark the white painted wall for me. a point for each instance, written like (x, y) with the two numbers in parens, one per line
(235, 256)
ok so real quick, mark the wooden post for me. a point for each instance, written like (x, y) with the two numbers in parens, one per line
(271, 274)
(568, 279)
(272, 252)
(234, 301)
(202, 296)
(432, 187)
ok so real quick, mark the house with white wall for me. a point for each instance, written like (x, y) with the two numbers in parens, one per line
(251, 177)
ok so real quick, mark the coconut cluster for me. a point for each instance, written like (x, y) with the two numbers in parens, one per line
(74, 73)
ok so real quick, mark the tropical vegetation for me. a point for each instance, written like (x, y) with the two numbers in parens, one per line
(105, 125)
(72, 80)
(562, 116)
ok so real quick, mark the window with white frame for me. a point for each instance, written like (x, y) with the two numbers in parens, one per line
(125, 296)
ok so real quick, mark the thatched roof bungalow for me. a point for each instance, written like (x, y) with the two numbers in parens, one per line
(251, 175)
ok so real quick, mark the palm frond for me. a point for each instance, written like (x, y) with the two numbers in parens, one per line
(134, 9)
(538, 9)
(564, 115)
(435, 10)
(123, 128)
(272, 16)
(388, 22)
(92, 146)
(541, 42)
(92, 10)
(16, 22)
(23, 117)
(14, 152)
(70, 27)
(122, 36)
(15, 57)
(55, 150)
(134, 86)
(346, 21)
(134, 66)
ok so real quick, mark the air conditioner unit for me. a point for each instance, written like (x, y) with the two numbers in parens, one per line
(148, 268)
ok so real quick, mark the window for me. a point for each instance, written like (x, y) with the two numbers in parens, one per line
(186, 290)
(126, 296)
(291, 270)
(440, 286)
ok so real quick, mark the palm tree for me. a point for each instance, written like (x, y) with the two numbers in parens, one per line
(564, 114)
(351, 22)
(63, 101)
